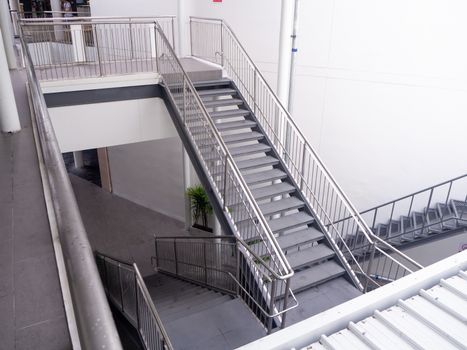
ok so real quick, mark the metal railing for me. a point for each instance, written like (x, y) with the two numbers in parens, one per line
(96, 327)
(431, 210)
(126, 289)
(220, 263)
(238, 204)
(87, 47)
(214, 40)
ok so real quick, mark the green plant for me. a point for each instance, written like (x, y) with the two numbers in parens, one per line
(200, 204)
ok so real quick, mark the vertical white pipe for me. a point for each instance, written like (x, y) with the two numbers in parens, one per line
(7, 31)
(182, 28)
(9, 119)
(293, 56)
(78, 159)
(285, 48)
(14, 5)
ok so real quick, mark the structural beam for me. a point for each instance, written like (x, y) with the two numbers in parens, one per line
(9, 119)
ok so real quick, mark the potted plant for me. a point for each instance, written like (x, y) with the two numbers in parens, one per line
(200, 206)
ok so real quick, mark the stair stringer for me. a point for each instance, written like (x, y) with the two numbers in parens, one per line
(329, 241)
(215, 201)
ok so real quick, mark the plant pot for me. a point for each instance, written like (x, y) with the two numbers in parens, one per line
(204, 228)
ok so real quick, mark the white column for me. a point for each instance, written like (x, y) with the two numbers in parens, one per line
(285, 49)
(78, 159)
(182, 28)
(293, 56)
(186, 184)
(14, 5)
(7, 31)
(56, 7)
(9, 119)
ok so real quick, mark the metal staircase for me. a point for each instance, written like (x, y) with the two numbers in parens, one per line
(279, 198)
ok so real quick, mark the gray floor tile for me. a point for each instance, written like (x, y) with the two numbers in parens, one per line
(37, 291)
(6, 268)
(7, 325)
(49, 335)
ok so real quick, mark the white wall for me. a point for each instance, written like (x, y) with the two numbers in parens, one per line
(150, 174)
(133, 8)
(381, 87)
(111, 123)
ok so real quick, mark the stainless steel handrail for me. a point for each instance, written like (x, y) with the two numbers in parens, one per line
(96, 326)
(138, 284)
(262, 221)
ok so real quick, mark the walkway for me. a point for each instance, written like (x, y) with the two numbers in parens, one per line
(32, 315)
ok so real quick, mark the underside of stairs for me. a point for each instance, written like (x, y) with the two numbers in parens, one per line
(199, 318)
(280, 200)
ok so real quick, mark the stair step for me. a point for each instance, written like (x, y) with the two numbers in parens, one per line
(257, 162)
(250, 149)
(240, 124)
(222, 103)
(272, 191)
(195, 306)
(309, 256)
(242, 137)
(290, 221)
(229, 114)
(264, 176)
(315, 275)
(200, 85)
(216, 92)
(284, 204)
(297, 238)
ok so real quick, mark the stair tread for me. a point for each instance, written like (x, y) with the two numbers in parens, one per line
(240, 124)
(316, 275)
(281, 205)
(199, 85)
(310, 234)
(309, 256)
(242, 137)
(250, 149)
(272, 191)
(223, 102)
(290, 221)
(257, 162)
(216, 92)
(264, 176)
(230, 113)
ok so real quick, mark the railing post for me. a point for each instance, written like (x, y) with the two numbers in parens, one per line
(191, 36)
(121, 287)
(157, 254)
(302, 182)
(237, 252)
(205, 264)
(173, 34)
(224, 204)
(175, 256)
(184, 101)
(271, 304)
(222, 44)
(286, 300)
(136, 302)
(427, 209)
(255, 100)
(99, 61)
(156, 29)
(370, 266)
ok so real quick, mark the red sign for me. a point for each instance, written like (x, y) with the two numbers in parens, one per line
(216, 0)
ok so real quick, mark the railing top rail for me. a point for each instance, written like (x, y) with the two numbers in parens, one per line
(95, 18)
(196, 237)
(389, 247)
(85, 284)
(414, 193)
(109, 257)
(367, 232)
(262, 221)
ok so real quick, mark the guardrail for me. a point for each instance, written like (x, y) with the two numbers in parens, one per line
(94, 320)
(126, 289)
(87, 47)
(214, 40)
(217, 262)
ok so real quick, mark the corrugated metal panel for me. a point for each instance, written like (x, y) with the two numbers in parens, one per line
(435, 319)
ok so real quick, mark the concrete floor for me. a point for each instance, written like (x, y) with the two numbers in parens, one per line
(32, 315)
(120, 228)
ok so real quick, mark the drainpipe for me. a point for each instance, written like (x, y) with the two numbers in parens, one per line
(9, 119)
(7, 31)
(293, 56)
